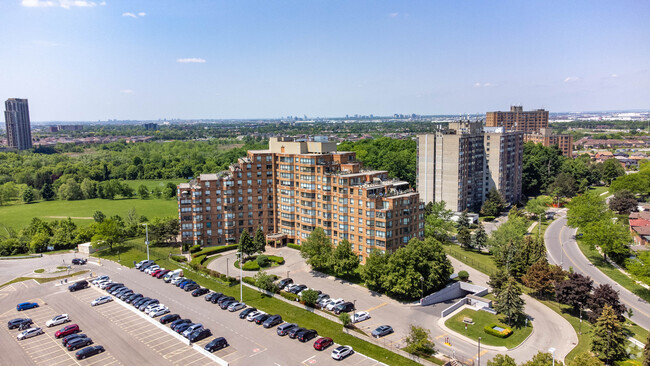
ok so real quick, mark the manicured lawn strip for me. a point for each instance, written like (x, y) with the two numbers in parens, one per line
(153, 183)
(480, 261)
(481, 319)
(613, 273)
(40, 270)
(135, 250)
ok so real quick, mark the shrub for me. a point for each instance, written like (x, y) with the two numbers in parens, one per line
(309, 297)
(249, 280)
(488, 218)
(294, 246)
(215, 250)
(276, 259)
(195, 248)
(265, 282)
(197, 260)
(251, 266)
(505, 333)
(463, 275)
(289, 296)
(345, 319)
(262, 261)
(179, 258)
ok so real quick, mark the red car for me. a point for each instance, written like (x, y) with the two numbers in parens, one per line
(162, 273)
(154, 273)
(67, 330)
(322, 343)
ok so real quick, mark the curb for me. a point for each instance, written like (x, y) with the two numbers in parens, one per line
(441, 324)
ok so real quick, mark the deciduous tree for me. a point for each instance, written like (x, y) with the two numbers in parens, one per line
(574, 291)
(586, 359)
(623, 202)
(493, 204)
(585, 209)
(344, 261)
(612, 237)
(108, 233)
(317, 249)
(418, 341)
(604, 295)
(143, 192)
(28, 195)
(502, 360)
(611, 169)
(542, 359)
(539, 278)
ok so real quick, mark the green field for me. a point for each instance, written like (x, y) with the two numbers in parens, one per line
(19, 215)
(599, 190)
(151, 184)
(481, 319)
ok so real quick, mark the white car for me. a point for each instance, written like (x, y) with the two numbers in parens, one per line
(99, 279)
(176, 280)
(151, 307)
(101, 300)
(360, 316)
(236, 306)
(342, 352)
(191, 329)
(252, 315)
(158, 311)
(29, 333)
(291, 286)
(330, 305)
(324, 301)
(59, 319)
(104, 284)
(152, 268)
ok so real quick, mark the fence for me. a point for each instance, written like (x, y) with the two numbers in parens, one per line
(469, 261)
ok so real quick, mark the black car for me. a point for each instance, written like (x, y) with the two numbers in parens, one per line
(224, 305)
(70, 337)
(216, 344)
(181, 327)
(209, 296)
(15, 323)
(192, 287)
(284, 282)
(200, 291)
(297, 289)
(118, 290)
(79, 261)
(169, 318)
(89, 351)
(346, 307)
(200, 334)
(293, 332)
(136, 303)
(215, 299)
(223, 299)
(112, 286)
(307, 335)
(131, 298)
(178, 322)
(79, 285)
(245, 312)
(146, 265)
(261, 318)
(272, 321)
(125, 295)
(79, 342)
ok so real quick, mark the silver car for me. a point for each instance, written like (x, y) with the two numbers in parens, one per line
(101, 300)
(29, 333)
(236, 306)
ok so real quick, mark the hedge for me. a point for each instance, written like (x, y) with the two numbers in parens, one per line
(249, 280)
(251, 266)
(505, 333)
(276, 259)
(488, 218)
(195, 248)
(179, 258)
(214, 250)
(289, 296)
(294, 246)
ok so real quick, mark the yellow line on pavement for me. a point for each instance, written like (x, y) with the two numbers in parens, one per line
(377, 307)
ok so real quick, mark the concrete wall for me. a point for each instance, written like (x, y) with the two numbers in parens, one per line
(453, 308)
(454, 291)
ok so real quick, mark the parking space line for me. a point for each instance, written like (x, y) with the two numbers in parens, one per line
(173, 354)
(43, 349)
(56, 363)
(187, 364)
(188, 356)
(48, 359)
(95, 362)
(164, 348)
(171, 339)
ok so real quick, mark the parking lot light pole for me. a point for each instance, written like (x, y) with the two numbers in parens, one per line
(146, 241)
(479, 351)
(354, 306)
(241, 279)
(552, 351)
(288, 274)
(227, 267)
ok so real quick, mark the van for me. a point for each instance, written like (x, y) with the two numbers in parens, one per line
(171, 275)
(283, 329)
(79, 285)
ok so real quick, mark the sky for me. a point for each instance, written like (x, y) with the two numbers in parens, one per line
(83, 60)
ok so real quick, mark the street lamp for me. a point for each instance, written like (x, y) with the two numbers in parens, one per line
(552, 351)
(288, 274)
(146, 241)
(479, 351)
(580, 328)
(241, 290)
(227, 266)
(422, 284)
(355, 304)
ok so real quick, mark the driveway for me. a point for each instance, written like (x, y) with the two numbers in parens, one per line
(12, 268)
(563, 249)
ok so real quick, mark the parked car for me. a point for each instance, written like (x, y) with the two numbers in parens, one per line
(99, 279)
(29, 333)
(78, 343)
(79, 285)
(322, 343)
(177, 281)
(284, 283)
(26, 324)
(224, 305)
(272, 321)
(79, 261)
(192, 287)
(382, 330)
(293, 332)
(199, 334)
(155, 272)
(136, 303)
(192, 328)
(162, 273)
(283, 329)
(236, 306)
(146, 265)
(67, 330)
(105, 284)
(321, 297)
(89, 351)
(111, 286)
(153, 307)
(158, 312)
(141, 263)
(26, 305)
(200, 291)
(295, 290)
(59, 319)
(215, 298)
(251, 317)
(183, 282)
(15, 323)
(151, 268)
(307, 335)
(342, 352)
(131, 298)
(209, 296)
(246, 312)
(182, 327)
(147, 303)
(224, 298)
(261, 318)
(67, 339)
(176, 323)
(216, 344)
(346, 307)
(125, 295)
(330, 306)
(322, 303)
(172, 275)
(290, 286)
(360, 316)
(169, 318)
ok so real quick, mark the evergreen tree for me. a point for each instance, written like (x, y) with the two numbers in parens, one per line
(246, 246)
(47, 192)
(586, 359)
(99, 216)
(259, 241)
(509, 302)
(463, 221)
(608, 339)
(28, 195)
(480, 238)
(494, 203)
(497, 280)
(465, 238)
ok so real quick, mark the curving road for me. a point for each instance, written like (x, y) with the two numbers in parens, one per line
(563, 249)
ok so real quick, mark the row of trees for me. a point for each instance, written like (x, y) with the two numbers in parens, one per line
(249, 246)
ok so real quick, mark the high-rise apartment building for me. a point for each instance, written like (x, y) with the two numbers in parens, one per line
(534, 124)
(295, 187)
(19, 132)
(461, 164)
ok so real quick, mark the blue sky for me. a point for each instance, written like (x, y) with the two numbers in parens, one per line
(131, 59)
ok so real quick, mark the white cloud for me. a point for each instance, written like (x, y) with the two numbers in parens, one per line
(126, 91)
(141, 14)
(613, 75)
(393, 15)
(129, 15)
(66, 4)
(571, 79)
(484, 85)
(191, 60)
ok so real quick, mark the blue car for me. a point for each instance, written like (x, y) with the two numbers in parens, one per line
(187, 284)
(182, 283)
(26, 305)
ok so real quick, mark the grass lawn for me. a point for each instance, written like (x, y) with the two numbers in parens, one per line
(599, 190)
(18, 215)
(478, 260)
(481, 319)
(153, 183)
(135, 250)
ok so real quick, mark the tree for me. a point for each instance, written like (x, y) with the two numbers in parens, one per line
(108, 233)
(345, 319)
(585, 209)
(539, 278)
(612, 237)
(611, 169)
(143, 192)
(88, 188)
(538, 207)
(623, 202)
(465, 238)
(265, 281)
(562, 187)
(170, 190)
(126, 190)
(540, 166)
(502, 360)
(509, 302)
(586, 359)
(28, 195)
(574, 291)
(70, 191)
(480, 238)
(246, 246)
(163, 230)
(419, 341)
(8, 192)
(497, 280)
(344, 261)
(47, 193)
(259, 241)
(317, 249)
(98, 216)
(438, 222)
(638, 183)
(374, 269)
(608, 339)
(494, 203)
(309, 297)
(604, 295)
(109, 189)
(463, 221)
(542, 359)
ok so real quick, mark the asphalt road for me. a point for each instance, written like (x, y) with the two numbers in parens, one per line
(563, 249)
(12, 268)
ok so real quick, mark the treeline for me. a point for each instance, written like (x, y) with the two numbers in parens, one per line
(398, 157)
(40, 236)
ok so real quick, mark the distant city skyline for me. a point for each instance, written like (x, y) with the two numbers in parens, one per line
(146, 60)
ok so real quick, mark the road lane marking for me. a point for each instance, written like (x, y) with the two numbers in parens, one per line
(377, 307)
